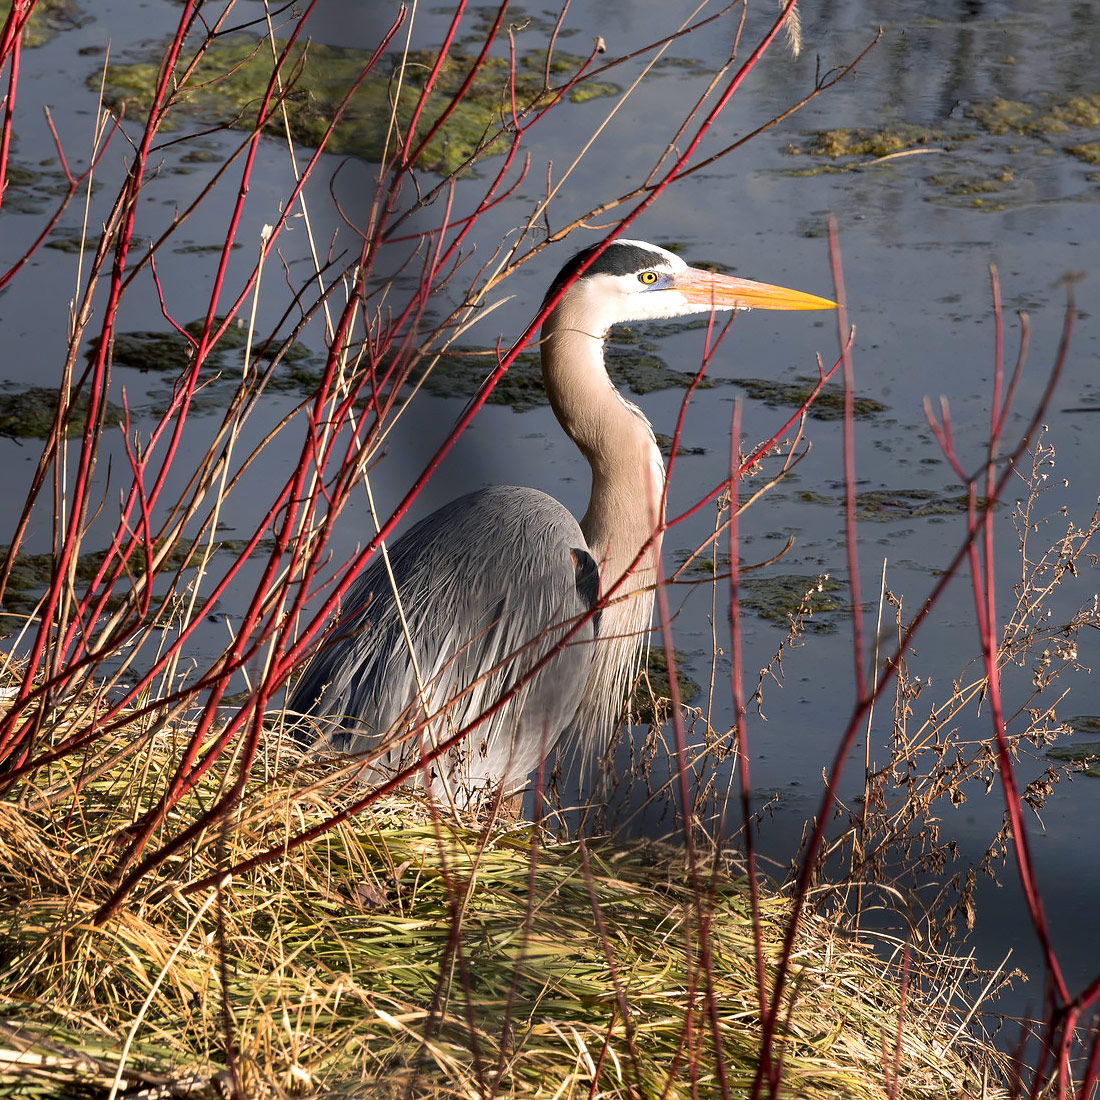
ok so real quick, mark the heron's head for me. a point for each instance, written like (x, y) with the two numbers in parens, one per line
(636, 281)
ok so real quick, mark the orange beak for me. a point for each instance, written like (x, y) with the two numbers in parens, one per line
(726, 292)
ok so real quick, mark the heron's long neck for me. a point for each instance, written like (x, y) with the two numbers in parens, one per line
(628, 475)
(624, 512)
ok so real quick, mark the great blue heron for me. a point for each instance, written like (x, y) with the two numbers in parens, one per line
(488, 586)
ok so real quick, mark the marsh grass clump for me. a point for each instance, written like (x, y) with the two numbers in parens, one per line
(827, 405)
(47, 18)
(871, 142)
(231, 79)
(29, 412)
(401, 951)
(813, 601)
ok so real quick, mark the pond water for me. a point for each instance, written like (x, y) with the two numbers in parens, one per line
(991, 105)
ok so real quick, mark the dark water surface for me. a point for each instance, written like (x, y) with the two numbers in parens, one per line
(987, 101)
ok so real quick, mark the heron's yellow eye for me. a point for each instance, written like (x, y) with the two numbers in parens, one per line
(647, 277)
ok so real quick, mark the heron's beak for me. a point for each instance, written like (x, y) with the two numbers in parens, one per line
(726, 292)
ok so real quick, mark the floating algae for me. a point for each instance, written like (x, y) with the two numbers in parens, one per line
(29, 413)
(231, 79)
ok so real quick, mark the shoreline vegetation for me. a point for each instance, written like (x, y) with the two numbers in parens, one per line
(403, 953)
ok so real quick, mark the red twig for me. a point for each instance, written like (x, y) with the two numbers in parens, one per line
(11, 45)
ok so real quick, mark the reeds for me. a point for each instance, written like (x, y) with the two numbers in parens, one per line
(418, 956)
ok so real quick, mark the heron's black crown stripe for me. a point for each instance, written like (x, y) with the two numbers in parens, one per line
(617, 259)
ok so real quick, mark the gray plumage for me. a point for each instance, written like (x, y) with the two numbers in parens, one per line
(482, 613)
(489, 584)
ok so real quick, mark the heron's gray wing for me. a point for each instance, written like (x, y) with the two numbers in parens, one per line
(489, 585)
